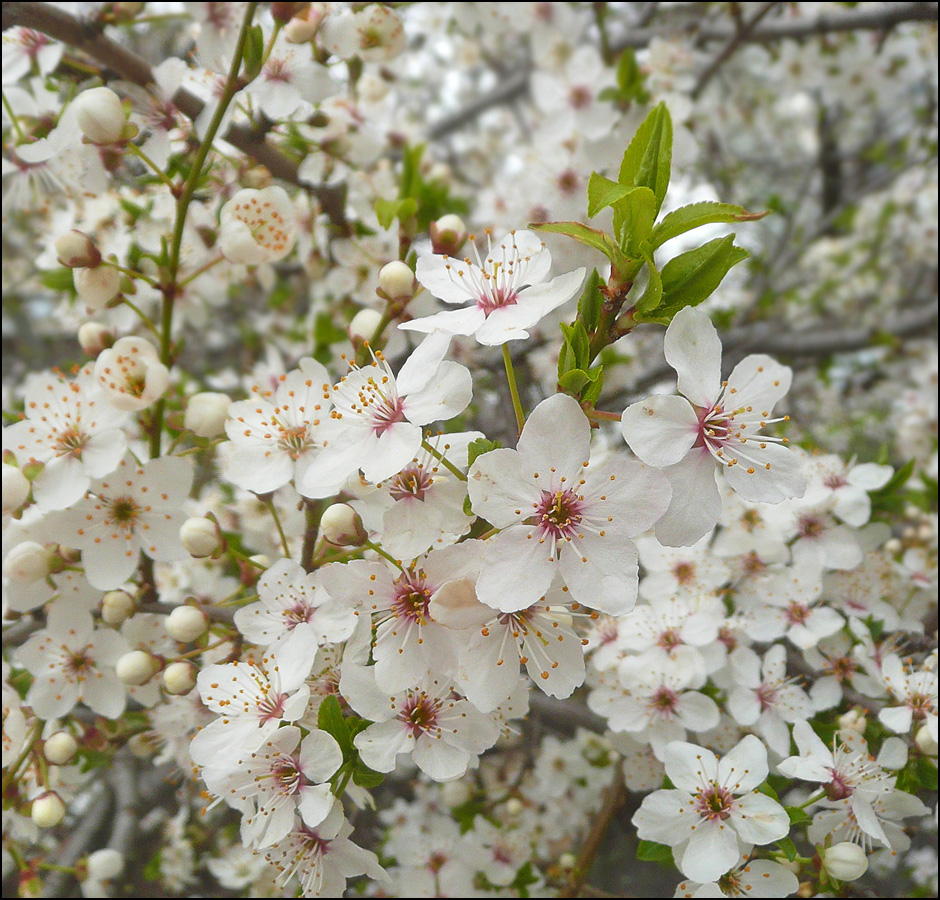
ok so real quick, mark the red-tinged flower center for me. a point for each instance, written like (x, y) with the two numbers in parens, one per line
(714, 803)
(297, 614)
(842, 667)
(663, 702)
(121, 511)
(727, 637)
(580, 96)
(411, 599)
(684, 572)
(79, 664)
(271, 707)
(835, 481)
(497, 298)
(558, 514)
(411, 483)
(420, 714)
(669, 639)
(811, 526)
(386, 413)
(767, 696)
(839, 788)
(797, 613)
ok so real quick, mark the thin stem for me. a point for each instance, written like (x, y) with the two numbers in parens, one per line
(21, 135)
(134, 150)
(143, 316)
(280, 530)
(13, 770)
(201, 270)
(443, 460)
(819, 795)
(603, 416)
(513, 389)
(384, 553)
(313, 513)
(130, 273)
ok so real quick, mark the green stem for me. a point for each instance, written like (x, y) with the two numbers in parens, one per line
(143, 316)
(201, 270)
(134, 150)
(13, 770)
(513, 389)
(277, 521)
(443, 460)
(129, 272)
(817, 796)
(384, 553)
(21, 135)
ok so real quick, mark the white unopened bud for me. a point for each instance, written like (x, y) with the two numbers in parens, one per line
(47, 810)
(137, 667)
(28, 562)
(397, 280)
(853, 720)
(448, 234)
(59, 748)
(116, 607)
(200, 537)
(106, 863)
(15, 488)
(514, 807)
(925, 533)
(100, 115)
(180, 677)
(925, 741)
(94, 337)
(567, 860)
(186, 623)
(303, 27)
(845, 861)
(142, 745)
(893, 546)
(206, 413)
(340, 525)
(363, 325)
(97, 287)
(76, 250)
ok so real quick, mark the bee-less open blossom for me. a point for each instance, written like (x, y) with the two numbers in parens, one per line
(257, 226)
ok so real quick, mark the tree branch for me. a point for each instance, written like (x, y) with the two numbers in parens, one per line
(89, 38)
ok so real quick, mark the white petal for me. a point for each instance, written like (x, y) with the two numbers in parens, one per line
(660, 430)
(693, 349)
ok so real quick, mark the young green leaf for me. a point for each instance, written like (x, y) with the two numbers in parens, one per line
(695, 215)
(589, 306)
(602, 192)
(648, 160)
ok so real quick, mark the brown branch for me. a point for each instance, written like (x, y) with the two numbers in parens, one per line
(89, 38)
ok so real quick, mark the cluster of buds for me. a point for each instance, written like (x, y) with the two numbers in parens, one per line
(96, 283)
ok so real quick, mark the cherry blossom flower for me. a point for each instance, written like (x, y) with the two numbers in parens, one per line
(322, 858)
(673, 570)
(443, 734)
(131, 374)
(559, 513)
(714, 809)
(257, 226)
(507, 289)
(275, 441)
(377, 418)
(136, 508)
(844, 487)
(714, 424)
(375, 34)
(917, 691)
(73, 430)
(289, 78)
(71, 661)
(252, 699)
(283, 776)
(294, 614)
(750, 878)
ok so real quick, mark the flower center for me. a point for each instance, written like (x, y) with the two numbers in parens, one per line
(288, 776)
(411, 483)
(669, 639)
(663, 702)
(684, 572)
(797, 613)
(412, 596)
(811, 526)
(271, 707)
(420, 714)
(558, 514)
(295, 441)
(767, 696)
(70, 442)
(387, 413)
(714, 803)
(123, 511)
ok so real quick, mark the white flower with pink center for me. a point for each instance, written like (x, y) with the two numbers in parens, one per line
(916, 689)
(443, 733)
(288, 79)
(284, 776)
(294, 614)
(377, 418)
(131, 374)
(257, 226)
(715, 810)
(714, 425)
(252, 699)
(558, 512)
(135, 508)
(73, 430)
(506, 290)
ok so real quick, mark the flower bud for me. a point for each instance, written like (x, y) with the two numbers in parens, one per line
(106, 863)
(28, 562)
(47, 810)
(363, 325)
(206, 413)
(567, 860)
(853, 720)
(116, 607)
(94, 337)
(137, 667)
(514, 807)
(186, 623)
(96, 288)
(100, 115)
(76, 250)
(283, 12)
(844, 861)
(180, 677)
(340, 525)
(397, 281)
(200, 537)
(448, 235)
(142, 745)
(59, 748)
(15, 488)
(925, 741)
(303, 27)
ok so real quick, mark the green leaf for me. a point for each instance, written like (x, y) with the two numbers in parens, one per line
(573, 380)
(386, 211)
(411, 171)
(254, 52)
(650, 851)
(577, 340)
(602, 192)
(633, 220)
(366, 777)
(592, 391)
(589, 306)
(648, 160)
(58, 280)
(630, 78)
(592, 237)
(330, 719)
(478, 447)
(797, 815)
(653, 294)
(767, 790)
(691, 277)
(788, 848)
(697, 214)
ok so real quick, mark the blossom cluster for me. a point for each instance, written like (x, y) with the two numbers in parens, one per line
(359, 573)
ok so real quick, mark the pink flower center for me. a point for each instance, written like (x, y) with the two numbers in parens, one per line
(286, 773)
(559, 514)
(497, 298)
(297, 614)
(839, 788)
(410, 483)
(663, 702)
(388, 412)
(797, 613)
(420, 714)
(411, 599)
(580, 97)
(271, 707)
(766, 696)
(714, 803)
